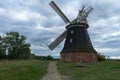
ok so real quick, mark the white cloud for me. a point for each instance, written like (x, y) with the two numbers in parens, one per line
(41, 24)
(25, 15)
(108, 51)
(114, 57)
(110, 2)
(2, 11)
(19, 15)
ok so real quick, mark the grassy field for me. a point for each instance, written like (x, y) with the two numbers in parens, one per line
(23, 69)
(107, 70)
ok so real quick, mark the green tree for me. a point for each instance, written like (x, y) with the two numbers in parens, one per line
(15, 46)
(101, 57)
(49, 57)
(2, 50)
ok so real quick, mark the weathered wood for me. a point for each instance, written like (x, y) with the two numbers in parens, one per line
(58, 40)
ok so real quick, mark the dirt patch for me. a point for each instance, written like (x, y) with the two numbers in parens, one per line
(53, 73)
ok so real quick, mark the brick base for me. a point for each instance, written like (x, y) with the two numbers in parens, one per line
(78, 57)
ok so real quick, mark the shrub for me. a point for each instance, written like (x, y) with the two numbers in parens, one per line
(49, 57)
(101, 57)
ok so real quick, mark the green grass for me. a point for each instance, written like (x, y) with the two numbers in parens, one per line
(23, 69)
(107, 70)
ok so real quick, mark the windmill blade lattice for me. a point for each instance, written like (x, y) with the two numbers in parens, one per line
(88, 10)
(57, 9)
(58, 40)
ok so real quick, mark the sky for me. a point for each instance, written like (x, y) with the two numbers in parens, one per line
(36, 20)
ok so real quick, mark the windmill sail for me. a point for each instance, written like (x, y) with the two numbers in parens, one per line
(57, 9)
(88, 10)
(58, 40)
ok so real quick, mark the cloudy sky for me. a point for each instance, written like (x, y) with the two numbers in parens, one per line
(41, 24)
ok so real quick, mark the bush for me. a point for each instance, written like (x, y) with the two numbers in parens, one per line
(37, 57)
(101, 57)
(49, 57)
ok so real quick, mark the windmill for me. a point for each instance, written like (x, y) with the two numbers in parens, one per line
(77, 46)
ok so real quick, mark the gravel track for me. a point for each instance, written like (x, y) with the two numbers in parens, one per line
(53, 73)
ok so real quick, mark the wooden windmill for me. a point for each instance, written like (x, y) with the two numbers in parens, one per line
(77, 46)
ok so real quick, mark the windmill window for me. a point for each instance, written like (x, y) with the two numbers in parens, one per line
(71, 40)
(71, 32)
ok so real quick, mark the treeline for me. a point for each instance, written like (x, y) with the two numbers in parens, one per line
(13, 46)
(37, 57)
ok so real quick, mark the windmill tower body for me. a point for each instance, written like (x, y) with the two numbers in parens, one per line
(77, 46)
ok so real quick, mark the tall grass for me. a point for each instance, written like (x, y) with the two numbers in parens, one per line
(107, 70)
(23, 69)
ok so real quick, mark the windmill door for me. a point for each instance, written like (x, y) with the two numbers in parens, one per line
(68, 57)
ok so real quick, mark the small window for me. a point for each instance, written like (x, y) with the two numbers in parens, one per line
(71, 32)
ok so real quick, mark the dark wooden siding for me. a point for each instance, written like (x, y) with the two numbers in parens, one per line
(78, 40)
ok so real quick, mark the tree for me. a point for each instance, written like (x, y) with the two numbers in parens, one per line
(101, 57)
(2, 50)
(49, 57)
(15, 46)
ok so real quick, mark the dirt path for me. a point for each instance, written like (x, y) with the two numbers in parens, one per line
(53, 73)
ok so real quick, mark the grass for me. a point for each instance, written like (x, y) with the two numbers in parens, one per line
(107, 70)
(23, 69)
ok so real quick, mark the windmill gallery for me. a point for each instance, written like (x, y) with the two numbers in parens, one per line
(77, 46)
